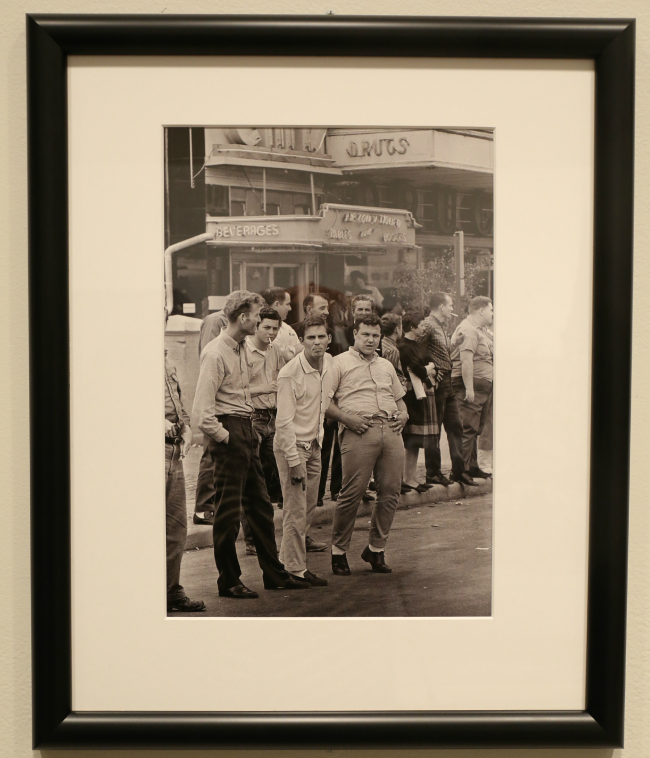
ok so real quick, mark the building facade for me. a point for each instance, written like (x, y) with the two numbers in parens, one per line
(303, 208)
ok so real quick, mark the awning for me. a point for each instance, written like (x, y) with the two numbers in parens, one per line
(339, 229)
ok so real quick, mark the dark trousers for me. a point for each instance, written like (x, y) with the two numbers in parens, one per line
(239, 481)
(205, 492)
(176, 520)
(330, 440)
(264, 424)
(448, 413)
(473, 415)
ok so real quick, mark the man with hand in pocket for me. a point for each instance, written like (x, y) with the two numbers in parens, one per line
(303, 396)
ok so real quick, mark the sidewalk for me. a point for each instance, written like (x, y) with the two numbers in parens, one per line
(199, 536)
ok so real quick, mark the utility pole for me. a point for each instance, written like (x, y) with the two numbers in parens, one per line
(459, 265)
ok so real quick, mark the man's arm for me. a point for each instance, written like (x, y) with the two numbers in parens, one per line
(397, 424)
(358, 424)
(285, 433)
(211, 375)
(467, 370)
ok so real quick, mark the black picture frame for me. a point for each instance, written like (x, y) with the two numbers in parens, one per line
(610, 43)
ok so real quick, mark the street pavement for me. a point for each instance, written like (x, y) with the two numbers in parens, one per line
(441, 556)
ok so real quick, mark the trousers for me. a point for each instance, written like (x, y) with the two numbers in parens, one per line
(448, 413)
(299, 507)
(381, 450)
(473, 415)
(330, 443)
(238, 482)
(176, 519)
(264, 425)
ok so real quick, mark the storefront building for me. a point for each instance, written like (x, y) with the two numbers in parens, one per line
(302, 208)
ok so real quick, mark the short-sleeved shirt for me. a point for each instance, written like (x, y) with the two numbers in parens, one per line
(476, 340)
(174, 410)
(365, 386)
(287, 337)
(263, 368)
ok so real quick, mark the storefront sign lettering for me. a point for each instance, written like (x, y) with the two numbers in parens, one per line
(339, 234)
(366, 148)
(371, 218)
(393, 237)
(248, 230)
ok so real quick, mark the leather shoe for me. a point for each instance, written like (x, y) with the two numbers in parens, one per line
(315, 547)
(476, 473)
(376, 561)
(439, 478)
(185, 605)
(314, 580)
(292, 582)
(464, 479)
(207, 519)
(340, 565)
(239, 592)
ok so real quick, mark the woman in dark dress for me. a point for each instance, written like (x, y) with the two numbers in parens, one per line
(421, 430)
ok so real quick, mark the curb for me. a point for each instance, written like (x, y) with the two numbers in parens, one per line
(199, 537)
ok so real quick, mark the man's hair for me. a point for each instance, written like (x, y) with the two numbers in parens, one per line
(241, 301)
(369, 320)
(411, 320)
(389, 324)
(358, 298)
(313, 321)
(271, 314)
(476, 303)
(274, 295)
(438, 299)
(309, 299)
(354, 275)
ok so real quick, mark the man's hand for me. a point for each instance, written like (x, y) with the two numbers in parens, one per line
(168, 428)
(187, 441)
(298, 475)
(399, 422)
(357, 424)
(469, 395)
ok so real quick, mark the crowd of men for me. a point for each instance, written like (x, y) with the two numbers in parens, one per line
(279, 405)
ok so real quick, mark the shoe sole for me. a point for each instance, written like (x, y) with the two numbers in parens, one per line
(240, 597)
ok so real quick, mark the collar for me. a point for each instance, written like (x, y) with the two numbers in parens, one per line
(251, 346)
(358, 355)
(230, 341)
(390, 341)
(440, 323)
(308, 368)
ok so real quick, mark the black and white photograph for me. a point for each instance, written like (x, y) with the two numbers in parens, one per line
(328, 371)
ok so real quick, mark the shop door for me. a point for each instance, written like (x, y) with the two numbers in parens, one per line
(296, 274)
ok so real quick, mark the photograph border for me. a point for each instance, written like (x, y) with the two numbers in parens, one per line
(610, 43)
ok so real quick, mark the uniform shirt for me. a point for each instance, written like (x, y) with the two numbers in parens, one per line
(211, 327)
(477, 341)
(303, 396)
(438, 343)
(286, 337)
(366, 386)
(263, 368)
(174, 410)
(223, 386)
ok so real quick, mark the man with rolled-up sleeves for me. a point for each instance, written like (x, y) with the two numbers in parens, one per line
(223, 409)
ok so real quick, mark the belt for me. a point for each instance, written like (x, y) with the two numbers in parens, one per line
(264, 412)
(248, 416)
(305, 445)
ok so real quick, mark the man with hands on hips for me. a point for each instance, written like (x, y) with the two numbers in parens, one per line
(367, 402)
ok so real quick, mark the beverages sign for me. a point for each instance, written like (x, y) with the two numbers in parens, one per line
(336, 226)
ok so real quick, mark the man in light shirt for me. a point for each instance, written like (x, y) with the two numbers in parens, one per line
(223, 409)
(303, 397)
(280, 300)
(264, 361)
(367, 403)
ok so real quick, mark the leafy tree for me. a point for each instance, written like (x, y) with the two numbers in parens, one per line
(416, 285)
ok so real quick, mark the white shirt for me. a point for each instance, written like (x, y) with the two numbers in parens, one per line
(287, 337)
(303, 398)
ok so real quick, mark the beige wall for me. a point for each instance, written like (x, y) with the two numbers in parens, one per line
(14, 511)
